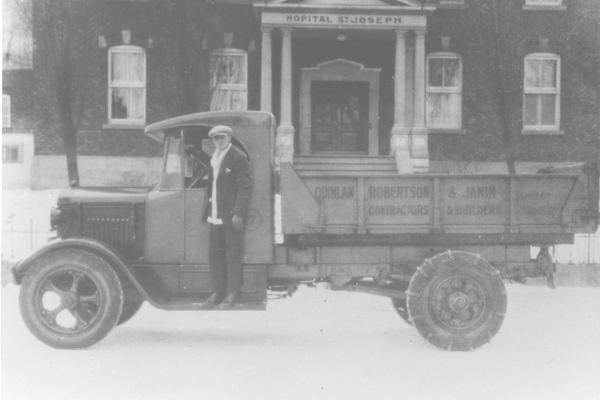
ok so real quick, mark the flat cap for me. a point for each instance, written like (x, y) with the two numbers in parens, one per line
(219, 130)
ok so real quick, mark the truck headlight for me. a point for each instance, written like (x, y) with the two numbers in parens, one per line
(55, 217)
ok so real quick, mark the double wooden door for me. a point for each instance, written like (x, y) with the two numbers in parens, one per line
(340, 116)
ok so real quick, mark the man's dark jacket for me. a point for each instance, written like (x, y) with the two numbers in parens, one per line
(233, 187)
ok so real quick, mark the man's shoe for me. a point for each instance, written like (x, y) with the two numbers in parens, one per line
(229, 301)
(211, 301)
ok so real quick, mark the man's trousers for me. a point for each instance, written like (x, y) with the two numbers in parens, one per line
(225, 254)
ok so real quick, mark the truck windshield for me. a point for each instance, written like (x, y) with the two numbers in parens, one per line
(172, 178)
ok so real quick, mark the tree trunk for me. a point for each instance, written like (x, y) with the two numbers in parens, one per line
(72, 168)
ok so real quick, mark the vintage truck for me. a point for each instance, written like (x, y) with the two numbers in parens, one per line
(438, 245)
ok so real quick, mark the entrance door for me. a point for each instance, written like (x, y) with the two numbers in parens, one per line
(340, 113)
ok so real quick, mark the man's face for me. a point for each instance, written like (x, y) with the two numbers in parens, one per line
(221, 141)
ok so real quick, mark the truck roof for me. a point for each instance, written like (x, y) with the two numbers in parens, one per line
(206, 120)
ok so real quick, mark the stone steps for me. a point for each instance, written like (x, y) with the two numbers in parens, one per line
(344, 165)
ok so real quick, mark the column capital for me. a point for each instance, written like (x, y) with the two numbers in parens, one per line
(286, 30)
(420, 32)
(400, 33)
(266, 29)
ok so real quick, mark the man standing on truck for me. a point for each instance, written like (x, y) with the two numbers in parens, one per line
(227, 198)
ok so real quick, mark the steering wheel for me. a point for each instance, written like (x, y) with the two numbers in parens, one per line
(201, 167)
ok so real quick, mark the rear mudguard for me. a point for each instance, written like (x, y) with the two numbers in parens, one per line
(119, 263)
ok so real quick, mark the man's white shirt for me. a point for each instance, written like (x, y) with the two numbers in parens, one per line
(215, 162)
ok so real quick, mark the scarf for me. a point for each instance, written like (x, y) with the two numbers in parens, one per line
(215, 162)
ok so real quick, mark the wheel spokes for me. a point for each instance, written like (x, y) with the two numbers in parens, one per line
(80, 322)
(50, 315)
(95, 299)
(69, 301)
(50, 286)
(76, 278)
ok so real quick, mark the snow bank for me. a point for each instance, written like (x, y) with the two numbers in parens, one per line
(25, 221)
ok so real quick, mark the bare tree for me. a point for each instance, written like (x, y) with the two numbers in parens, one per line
(498, 40)
(16, 31)
(62, 64)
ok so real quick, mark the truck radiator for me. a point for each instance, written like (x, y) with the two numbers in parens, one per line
(111, 225)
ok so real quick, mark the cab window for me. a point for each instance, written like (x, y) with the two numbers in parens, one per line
(172, 178)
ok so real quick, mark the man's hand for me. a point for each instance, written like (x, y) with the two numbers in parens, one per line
(238, 223)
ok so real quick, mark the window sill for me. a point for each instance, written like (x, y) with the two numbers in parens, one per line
(458, 5)
(542, 132)
(447, 131)
(544, 7)
(138, 127)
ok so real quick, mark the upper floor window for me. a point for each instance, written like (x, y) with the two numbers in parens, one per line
(229, 80)
(5, 111)
(541, 92)
(544, 5)
(126, 85)
(450, 3)
(543, 2)
(444, 91)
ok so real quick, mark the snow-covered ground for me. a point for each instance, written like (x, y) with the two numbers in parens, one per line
(318, 344)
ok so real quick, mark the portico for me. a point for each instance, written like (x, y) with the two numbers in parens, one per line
(340, 107)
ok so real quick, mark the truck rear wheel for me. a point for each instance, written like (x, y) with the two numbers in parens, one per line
(402, 310)
(130, 308)
(71, 299)
(457, 301)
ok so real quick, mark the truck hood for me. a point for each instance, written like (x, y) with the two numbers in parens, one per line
(113, 195)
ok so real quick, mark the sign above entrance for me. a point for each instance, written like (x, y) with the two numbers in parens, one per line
(352, 21)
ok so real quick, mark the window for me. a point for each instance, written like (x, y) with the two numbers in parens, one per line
(543, 2)
(127, 85)
(5, 111)
(451, 3)
(444, 91)
(541, 92)
(544, 5)
(171, 176)
(12, 153)
(229, 80)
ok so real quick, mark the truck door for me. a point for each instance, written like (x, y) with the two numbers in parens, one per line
(165, 209)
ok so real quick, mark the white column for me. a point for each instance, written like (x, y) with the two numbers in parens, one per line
(399, 144)
(419, 147)
(285, 131)
(266, 72)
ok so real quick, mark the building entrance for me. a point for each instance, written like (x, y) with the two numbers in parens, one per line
(340, 116)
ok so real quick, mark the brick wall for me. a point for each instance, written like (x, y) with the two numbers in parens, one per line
(571, 35)
(165, 99)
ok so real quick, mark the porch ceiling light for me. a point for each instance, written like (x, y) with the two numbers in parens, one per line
(342, 37)
(445, 42)
(126, 36)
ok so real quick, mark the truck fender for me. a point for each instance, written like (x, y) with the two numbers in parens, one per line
(111, 256)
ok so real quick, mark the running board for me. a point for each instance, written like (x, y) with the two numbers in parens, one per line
(186, 304)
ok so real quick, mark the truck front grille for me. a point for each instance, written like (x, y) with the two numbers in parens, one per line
(114, 226)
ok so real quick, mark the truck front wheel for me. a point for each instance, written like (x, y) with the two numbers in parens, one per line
(71, 299)
(457, 301)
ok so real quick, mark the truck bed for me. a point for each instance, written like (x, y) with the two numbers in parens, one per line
(324, 203)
